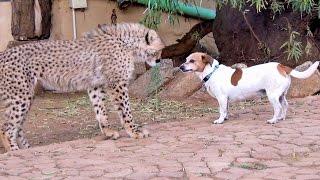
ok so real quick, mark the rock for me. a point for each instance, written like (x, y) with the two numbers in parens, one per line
(139, 69)
(202, 96)
(141, 87)
(209, 45)
(239, 65)
(182, 86)
(305, 87)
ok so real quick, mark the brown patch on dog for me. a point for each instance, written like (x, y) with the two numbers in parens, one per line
(284, 70)
(236, 76)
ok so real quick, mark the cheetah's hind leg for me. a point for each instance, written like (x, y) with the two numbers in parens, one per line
(22, 140)
(97, 97)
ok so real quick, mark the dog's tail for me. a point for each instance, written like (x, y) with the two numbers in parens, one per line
(307, 73)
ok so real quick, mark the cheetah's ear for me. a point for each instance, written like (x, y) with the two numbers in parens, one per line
(147, 38)
(102, 28)
(207, 59)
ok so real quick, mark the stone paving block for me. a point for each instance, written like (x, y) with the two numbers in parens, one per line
(145, 169)
(307, 170)
(223, 175)
(12, 178)
(78, 178)
(96, 173)
(171, 174)
(309, 176)
(18, 171)
(216, 166)
(141, 175)
(265, 155)
(256, 175)
(160, 178)
(119, 174)
(69, 172)
(197, 169)
(50, 171)
(275, 163)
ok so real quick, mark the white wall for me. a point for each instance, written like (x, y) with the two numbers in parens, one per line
(98, 11)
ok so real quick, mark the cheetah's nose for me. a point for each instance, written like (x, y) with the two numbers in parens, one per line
(158, 61)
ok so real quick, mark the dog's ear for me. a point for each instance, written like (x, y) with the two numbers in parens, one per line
(207, 59)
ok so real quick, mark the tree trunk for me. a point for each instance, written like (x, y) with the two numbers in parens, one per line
(23, 19)
(46, 7)
(22, 26)
(255, 38)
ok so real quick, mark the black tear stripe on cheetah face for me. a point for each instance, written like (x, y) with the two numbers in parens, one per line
(101, 62)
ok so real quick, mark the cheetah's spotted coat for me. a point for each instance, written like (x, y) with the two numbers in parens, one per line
(101, 62)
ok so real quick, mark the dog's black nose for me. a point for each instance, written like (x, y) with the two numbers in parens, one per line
(158, 61)
(182, 68)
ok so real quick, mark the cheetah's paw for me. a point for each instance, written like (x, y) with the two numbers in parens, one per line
(139, 134)
(111, 134)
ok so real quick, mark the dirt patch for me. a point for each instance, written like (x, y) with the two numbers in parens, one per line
(56, 118)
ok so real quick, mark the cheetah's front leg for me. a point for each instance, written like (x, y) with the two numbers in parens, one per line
(120, 97)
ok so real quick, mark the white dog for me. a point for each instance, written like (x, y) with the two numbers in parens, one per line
(228, 84)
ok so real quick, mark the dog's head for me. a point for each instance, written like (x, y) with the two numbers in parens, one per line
(196, 62)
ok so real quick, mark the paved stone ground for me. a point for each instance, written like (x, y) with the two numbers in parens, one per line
(245, 147)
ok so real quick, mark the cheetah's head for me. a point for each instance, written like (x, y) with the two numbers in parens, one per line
(150, 48)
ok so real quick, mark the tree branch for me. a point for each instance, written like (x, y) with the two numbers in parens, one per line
(188, 41)
(251, 29)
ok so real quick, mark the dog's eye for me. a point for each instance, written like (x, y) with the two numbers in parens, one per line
(191, 61)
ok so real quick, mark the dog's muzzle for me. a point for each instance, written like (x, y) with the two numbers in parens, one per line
(183, 69)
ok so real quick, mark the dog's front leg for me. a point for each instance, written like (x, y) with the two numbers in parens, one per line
(223, 109)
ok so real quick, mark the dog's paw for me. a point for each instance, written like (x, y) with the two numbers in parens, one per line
(272, 121)
(218, 121)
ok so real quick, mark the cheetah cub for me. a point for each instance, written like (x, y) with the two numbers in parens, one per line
(101, 62)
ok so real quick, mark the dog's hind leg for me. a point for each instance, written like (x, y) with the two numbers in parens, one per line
(277, 107)
(223, 109)
(283, 100)
(284, 104)
(228, 113)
